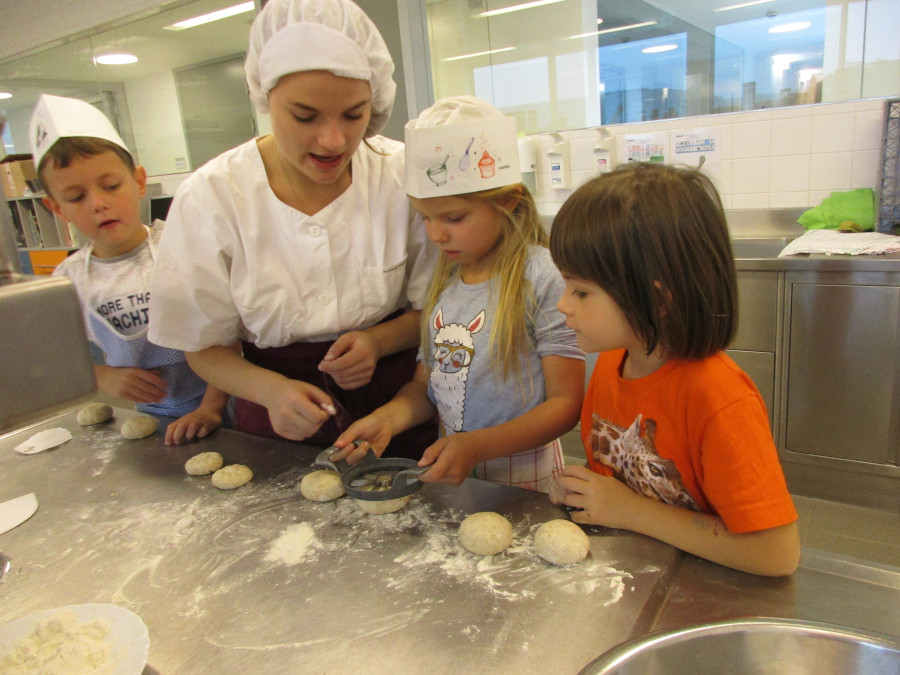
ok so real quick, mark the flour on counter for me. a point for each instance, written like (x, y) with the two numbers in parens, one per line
(293, 545)
(61, 645)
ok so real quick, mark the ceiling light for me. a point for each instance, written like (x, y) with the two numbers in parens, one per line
(471, 56)
(212, 16)
(790, 27)
(728, 8)
(614, 30)
(115, 59)
(599, 21)
(5, 94)
(658, 49)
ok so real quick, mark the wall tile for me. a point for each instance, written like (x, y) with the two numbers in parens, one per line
(751, 139)
(757, 200)
(750, 176)
(793, 111)
(832, 133)
(830, 171)
(834, 108)
(724, 182)
(788, 200)
(868, 127)
(865, 169)
(789, 173)
(792, 136)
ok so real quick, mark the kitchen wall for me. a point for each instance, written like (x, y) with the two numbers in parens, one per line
(779, 158)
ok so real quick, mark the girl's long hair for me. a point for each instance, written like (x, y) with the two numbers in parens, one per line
(515, 306)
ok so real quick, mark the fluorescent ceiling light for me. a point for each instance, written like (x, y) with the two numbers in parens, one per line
(790, 27)
(212, 16)
(658, 48)
(728, 8)
(515, 8)
(5, 94)
(614, 30)
(115, 59)
(599, 21)
(472, 56)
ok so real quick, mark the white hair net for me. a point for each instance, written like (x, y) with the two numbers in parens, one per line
(290, 36)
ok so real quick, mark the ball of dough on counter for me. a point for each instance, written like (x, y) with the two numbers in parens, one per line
(232, 476)
(561, 542)
(485, 533)
(204, 463)
(137, 427)
(321, 486)
(94, 413)
(387, 506)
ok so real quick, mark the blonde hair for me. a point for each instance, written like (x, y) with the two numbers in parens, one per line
(522, 229)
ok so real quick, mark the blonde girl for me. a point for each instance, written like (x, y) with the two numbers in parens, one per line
(497, 362)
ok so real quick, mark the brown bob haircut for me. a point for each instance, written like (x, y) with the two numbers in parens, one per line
(654, 237)
(68, 148)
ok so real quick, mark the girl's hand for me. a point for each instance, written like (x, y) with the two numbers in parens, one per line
(373, 432)
(351, 360)
(295, 408)
(452, 458)
(197, 424)
(602, 500)
(134, 384)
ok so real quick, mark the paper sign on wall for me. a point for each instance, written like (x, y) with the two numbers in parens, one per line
(700, 148)
(652, 147)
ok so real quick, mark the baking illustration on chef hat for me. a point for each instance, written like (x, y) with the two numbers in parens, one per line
(57, 117)
(460, 144)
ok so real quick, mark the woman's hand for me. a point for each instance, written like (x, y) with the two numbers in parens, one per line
(451, 458)
(134, 384)
(296, 408)
(351, 360)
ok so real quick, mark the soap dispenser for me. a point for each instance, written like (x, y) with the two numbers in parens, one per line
(558, 156)
(604, 151)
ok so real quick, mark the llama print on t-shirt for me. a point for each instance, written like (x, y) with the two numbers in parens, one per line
(454, 349)
(634, 460)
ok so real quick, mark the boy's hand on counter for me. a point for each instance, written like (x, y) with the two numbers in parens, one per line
(134, 384)
(197, 424)
(599, 500)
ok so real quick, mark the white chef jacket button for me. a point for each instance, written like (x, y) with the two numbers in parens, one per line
(315, 230)
(324, 299)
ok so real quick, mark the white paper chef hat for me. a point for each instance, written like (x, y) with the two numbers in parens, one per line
(460, 144)
(57, 117)
(290, 36)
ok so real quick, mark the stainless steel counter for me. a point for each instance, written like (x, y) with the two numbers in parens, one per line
(259, 580)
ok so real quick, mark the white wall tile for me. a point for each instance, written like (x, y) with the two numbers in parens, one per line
(868, 127)
(788, 200)
(751, 139)
(789, 173)
(791, 136)
(830, 171)
(834, 108)
(724, 182)
(816, 196)
(832, 133)
(865, 169)
(750, 176)
(793, 111)
(757, 200)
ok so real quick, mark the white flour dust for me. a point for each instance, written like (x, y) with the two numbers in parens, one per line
(293, 545)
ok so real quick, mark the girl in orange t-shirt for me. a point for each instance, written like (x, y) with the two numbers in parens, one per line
(676, 435)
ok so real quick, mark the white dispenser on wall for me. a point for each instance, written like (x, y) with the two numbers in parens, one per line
(558, 163)
(604, 151)
(528, 163)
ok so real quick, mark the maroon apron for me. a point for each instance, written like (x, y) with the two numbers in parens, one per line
(300, 361)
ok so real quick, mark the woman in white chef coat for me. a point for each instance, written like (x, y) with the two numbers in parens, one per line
(301, 246)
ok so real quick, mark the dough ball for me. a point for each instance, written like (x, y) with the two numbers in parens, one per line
(140, 426)
(94, 413)
(232, 476)
(321, 486)
(204, 463)
(386, 506)
(485, 533)
(561, 542)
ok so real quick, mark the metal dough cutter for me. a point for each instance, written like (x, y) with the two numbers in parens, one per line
(374, 478)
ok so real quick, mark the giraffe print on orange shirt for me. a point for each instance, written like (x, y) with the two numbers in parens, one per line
(636, 463)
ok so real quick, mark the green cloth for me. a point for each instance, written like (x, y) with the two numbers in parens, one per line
(855, 205)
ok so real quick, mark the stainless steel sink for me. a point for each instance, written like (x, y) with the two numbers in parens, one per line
(759, 248)
(760, 646)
